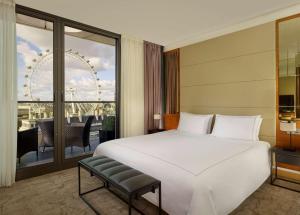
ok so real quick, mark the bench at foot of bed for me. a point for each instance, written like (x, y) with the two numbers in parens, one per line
(132, 183)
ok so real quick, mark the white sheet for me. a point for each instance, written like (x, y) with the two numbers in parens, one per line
(200, 174)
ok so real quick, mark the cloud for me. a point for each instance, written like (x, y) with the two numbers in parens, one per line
(27, 53)
(43, 39)
(86, 86)
(32, 41)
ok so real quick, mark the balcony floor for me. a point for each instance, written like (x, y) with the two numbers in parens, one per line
(30, 159)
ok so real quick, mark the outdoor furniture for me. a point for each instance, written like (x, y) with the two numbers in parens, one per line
(27, 142)
(107, 131)
(78, 134)
(130, 182)
(47, 130)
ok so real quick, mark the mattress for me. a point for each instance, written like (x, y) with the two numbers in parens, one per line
(200, 174)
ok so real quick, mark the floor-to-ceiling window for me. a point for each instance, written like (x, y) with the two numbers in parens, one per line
(35, 91)
(67, 90)
(89, 90)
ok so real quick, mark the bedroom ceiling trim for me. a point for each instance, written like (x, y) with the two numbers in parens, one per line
(265, 18)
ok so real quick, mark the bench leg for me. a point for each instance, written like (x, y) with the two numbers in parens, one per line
(159, 199)
(129, 204)
(81, 195)
(79, 182)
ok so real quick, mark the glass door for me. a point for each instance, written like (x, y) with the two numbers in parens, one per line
(67, 91)
(89, 91)
(36, 145)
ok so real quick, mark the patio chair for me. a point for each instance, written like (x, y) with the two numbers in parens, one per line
(79, 135)
(108, 129)
(27, 142)
(47, 129)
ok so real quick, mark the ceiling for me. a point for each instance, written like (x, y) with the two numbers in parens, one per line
(172, 23)
(46, 25)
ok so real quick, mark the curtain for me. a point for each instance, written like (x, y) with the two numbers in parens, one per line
(153, 84)
(132, 87)
(8, 93)
(172, 81)
(297, 92)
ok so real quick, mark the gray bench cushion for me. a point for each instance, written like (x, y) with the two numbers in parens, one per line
(124, 176)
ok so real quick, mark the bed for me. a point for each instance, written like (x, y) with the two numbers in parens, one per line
(200, 174)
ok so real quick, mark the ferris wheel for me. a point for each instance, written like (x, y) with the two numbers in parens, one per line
(40, 63)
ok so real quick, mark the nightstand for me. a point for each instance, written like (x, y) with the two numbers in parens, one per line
(152, 131)
(287, 157)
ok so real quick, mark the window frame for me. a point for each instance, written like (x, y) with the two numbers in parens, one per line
(58, 85)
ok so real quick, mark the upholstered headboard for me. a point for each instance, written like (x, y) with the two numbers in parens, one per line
(234, 74)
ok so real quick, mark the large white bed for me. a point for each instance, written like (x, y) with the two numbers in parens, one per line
(200, 174)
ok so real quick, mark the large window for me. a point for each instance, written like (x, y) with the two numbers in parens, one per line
(67, 90)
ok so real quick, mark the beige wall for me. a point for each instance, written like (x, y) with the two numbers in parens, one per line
(233, 74)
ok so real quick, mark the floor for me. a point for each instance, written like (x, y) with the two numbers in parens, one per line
(56, 193)
(30, 158)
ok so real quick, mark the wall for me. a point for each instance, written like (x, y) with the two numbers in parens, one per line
(233, 74)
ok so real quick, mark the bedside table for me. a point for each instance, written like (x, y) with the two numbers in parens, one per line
(287, 157)
(152, 131)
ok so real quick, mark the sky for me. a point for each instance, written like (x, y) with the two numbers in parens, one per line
(79, 75)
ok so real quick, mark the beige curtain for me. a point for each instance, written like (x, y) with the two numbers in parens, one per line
(297, 92)
(132, 87)
(172, 81)
(8, 93)
(153, 84)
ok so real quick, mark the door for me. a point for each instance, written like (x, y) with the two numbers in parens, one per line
(68, 91)
(37, 113)
(89, 91)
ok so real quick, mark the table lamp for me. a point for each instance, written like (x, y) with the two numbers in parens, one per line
(289, 127)
(157, 116)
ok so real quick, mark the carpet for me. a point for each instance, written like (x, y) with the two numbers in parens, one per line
(56, 193)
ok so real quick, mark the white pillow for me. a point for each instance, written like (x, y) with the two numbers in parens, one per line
(238, 127)
(195, 123)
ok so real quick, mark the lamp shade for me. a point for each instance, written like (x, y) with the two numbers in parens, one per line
(157, 116)
(288, 126)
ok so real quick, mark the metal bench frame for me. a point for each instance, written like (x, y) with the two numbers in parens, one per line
(107, 183)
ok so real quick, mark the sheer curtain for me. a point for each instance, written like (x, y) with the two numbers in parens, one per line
(8, 93)
(132, 87)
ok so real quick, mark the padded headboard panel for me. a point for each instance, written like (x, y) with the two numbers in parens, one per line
(234, 74)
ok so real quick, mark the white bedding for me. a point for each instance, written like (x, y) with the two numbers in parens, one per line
(200, 174)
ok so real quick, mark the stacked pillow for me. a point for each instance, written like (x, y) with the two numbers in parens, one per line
(238, 127)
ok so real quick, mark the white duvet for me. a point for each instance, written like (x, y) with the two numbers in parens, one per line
(200, 174)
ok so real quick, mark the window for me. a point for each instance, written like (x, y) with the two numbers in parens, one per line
(35, 91)
(89, 90)
(67, 90)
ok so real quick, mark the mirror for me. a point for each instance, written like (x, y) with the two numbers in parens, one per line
(289, 69)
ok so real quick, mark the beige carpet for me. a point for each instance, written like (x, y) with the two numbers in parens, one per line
(56, 193)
